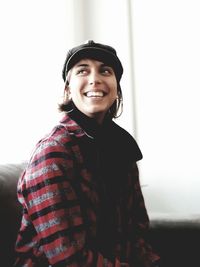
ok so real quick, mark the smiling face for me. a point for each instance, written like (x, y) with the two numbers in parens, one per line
(92, 87)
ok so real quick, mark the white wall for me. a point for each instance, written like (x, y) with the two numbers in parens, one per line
(167, 81)
(32, 50)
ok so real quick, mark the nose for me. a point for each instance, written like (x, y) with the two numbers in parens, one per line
(94, 78)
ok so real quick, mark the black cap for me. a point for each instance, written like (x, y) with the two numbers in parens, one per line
(92, 50)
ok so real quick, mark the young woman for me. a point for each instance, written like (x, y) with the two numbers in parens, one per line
(81, 195)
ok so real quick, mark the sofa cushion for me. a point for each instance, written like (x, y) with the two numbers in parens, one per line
(176, 238)
(10, 210)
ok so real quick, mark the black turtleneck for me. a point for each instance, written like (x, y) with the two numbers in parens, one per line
(105, 149)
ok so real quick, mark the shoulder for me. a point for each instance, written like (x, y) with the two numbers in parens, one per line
(58, 140)
(62, 132)
(126, 141)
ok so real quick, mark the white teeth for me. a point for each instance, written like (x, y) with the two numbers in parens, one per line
(95, 94)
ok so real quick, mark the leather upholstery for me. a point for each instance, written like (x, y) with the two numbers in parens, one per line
(10, 211)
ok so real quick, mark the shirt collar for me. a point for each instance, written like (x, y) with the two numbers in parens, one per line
(88, 125)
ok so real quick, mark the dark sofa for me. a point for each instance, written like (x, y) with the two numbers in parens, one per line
(175, 238)
(10, 211)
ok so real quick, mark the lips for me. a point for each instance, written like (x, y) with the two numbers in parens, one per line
(94, 94)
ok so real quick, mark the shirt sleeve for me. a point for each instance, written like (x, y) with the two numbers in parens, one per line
(52, 225)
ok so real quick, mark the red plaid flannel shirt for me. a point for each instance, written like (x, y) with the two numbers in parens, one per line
(52, 225)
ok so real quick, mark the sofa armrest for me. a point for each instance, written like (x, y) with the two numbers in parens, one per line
(176, 238)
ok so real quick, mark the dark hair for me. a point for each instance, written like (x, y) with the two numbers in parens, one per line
(115, 110)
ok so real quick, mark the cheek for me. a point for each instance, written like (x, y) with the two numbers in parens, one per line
(74, 87)
(74, 93)
(114, 88)
(113, 84)
(76, 84)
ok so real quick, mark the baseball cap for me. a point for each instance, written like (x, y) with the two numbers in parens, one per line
(92, 50)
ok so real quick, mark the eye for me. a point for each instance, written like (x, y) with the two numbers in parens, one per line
(106, 70)
(82, 71)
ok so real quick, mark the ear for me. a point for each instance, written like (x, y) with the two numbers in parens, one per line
(66, 84)
(67, 89)
(67, 92)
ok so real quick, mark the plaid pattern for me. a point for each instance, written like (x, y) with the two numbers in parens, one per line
(52, 190)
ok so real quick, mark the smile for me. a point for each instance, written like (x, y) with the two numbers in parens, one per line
(94, 94)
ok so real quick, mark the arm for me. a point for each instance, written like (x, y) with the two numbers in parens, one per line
(139, 222)
(52, 208)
